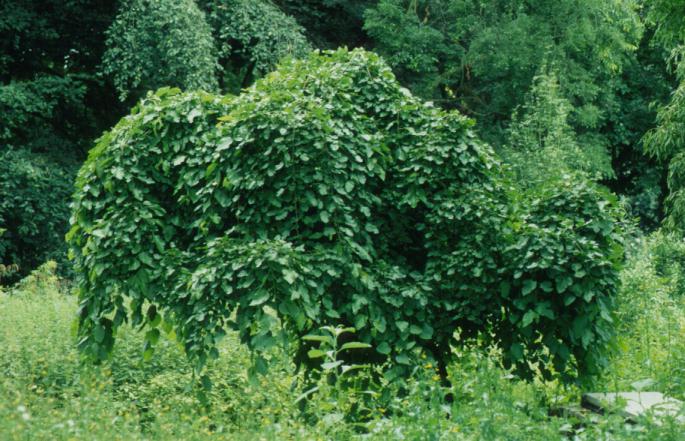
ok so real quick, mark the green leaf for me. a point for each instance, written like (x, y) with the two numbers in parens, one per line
(289, 276)
(206, 382)
(528, 318)
(331, 365)
(99, 333)
(528, 286)
(402, 359)
(152, 336)
(402, 325)
(315, 353)
(354, 345)
(383, 348)
(320, 338)
(261, 297)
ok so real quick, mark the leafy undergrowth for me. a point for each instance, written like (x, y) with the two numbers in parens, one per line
(46, 393)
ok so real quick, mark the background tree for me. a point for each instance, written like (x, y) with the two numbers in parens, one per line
(330, 24)
(481, 57)
(251, 37)
(667, 140)
(53, 104)
(155, 43)
(542, 143)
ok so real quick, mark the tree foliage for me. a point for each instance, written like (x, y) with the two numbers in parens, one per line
(252, 36)
(542, 142)
(330, 23)
(33, 209)
(329, 195)
(482, 57)
(667, 140)
(49, 93)
(155, 43)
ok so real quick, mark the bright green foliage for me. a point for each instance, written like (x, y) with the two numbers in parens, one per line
(154, 43)
(668, 17)
(668, 259)
(49, 394)
(542, 143)
(252, 36)
(482, 56)
(33, 209)
(667, 140)
(328, 194)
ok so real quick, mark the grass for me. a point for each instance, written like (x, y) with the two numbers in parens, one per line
(47, 393)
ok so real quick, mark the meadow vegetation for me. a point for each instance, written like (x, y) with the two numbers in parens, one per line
(49, 393)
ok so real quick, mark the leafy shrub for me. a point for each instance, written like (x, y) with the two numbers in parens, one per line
(328, 194)
(160, 43)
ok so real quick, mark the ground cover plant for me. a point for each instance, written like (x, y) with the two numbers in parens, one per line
(327, 194)
(49, 394)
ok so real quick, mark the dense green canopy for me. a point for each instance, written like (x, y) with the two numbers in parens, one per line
(329, 194)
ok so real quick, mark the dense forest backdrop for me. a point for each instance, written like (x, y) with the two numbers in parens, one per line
(593, 86)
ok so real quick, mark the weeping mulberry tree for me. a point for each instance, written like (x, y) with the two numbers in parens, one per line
(328, 194)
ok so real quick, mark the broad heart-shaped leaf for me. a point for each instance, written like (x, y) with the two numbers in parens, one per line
(289, 276)
(528, 318)
(383, 348)
(261, 297)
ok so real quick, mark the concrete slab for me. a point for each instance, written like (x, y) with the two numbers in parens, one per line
(635, 404)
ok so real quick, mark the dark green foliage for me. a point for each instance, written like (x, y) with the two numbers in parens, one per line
(330, 23)
(563, 257)
(46, 114)
(34, 192)
(160, 43)
(640, 179)
(52, 36)
(327, 195)
(251, 36)
(52, 106)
